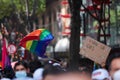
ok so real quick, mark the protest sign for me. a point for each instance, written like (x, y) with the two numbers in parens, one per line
(95, 50)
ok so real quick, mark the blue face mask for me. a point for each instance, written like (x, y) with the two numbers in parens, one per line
(20, 74)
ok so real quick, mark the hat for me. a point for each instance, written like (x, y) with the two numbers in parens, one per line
(100, 74)
(116, 75)
(37, 75)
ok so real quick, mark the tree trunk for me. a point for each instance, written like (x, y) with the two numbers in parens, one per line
(75, 32)
(27, 15)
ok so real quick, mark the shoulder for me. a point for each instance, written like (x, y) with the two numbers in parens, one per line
(5, 79)
(26, 78)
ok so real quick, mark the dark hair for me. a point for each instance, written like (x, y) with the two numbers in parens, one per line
(23, 63)
(85, 62)
(81, 69)
(37, 64)
(52, 70)
(8, 72)
(114, 54)
(84, 65)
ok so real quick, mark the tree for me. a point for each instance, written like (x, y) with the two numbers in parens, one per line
(101, 9)
(21, 12)
(75, 31)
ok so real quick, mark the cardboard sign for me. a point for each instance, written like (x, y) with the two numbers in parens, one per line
(95, 50)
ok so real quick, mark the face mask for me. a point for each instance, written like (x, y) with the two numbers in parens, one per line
(20, 74)
(116, 75)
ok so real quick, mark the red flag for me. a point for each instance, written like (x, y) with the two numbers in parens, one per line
(5, 57)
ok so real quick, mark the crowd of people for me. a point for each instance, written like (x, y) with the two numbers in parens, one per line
(52, 70)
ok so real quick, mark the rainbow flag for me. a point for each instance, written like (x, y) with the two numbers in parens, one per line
(37, 41)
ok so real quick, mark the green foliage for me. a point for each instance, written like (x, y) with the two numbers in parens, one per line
(42, 6)
(112, 16)
(118, 12)
(7, 7)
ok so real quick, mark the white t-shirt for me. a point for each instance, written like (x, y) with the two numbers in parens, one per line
(5, 79)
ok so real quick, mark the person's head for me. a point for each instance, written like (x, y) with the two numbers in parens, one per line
(113, 61)
(100, 74)
(81, 72)
(8, 72)
(51, 72)
(21, 66)
(76, 74)
(21, 69)
(86, 63)
(73, 76)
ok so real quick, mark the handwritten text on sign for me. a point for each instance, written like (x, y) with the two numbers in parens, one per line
(95, 50)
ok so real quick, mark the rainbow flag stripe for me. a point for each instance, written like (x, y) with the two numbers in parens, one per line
(37, 43)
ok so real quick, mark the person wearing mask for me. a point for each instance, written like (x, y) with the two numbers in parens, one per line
(21, 70)
(113, 61)
(116, 75)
